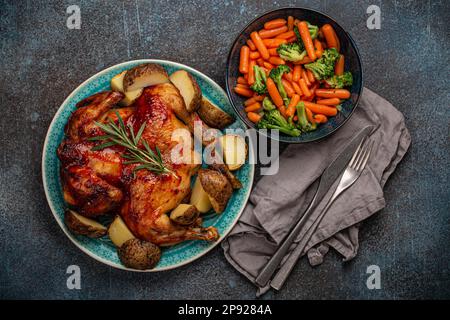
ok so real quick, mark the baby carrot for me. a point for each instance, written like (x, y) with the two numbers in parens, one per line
(339, 67)
(318, 108)
(273, 43)
(253, 117)
(253, 107)
(260, 45)
(288, 76)
(304, 76)
(273, 24)
(241, 80)
(319, 48)
(297, 88)
(290, 23)
(292, 104)
(276, 60)
(251, 45)
(296, 73)
(273, 52)
(249, 101)
(307, 40)
(243, 59)
(288, 87)
(329, 102)
(304, 87)
(258, 97)
(268, 65)
(310, 76)
(240, 85)
(251, 73)
(292, 39)
(296, 22)
(272, 33)
(260, 62)
(254, 55)
(304, 60)
(273, 93)
(333, 93)
(286, 35)
(320, 118)
(310, 116)
(243, 92)
(330, 36)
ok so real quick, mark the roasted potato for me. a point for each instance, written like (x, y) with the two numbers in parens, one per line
(223, 168)
(199, 198)
(138, 254)
(144, 75)
(217, 187)
(184, 214)
(213, 116)
(118, 232)
(189, 89)
(234, 150)
(130, 96)
(82, 225)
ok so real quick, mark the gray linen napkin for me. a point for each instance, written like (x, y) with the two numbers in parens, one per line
(277, 201)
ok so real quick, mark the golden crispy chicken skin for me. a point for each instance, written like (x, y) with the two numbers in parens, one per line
(98, 182)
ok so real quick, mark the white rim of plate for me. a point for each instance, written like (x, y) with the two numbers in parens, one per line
(54, 211)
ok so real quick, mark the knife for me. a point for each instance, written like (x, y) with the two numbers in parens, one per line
(329, 176)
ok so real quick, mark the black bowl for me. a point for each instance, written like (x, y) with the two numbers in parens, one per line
(352, 64)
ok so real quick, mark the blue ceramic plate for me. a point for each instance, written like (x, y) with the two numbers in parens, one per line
(348, 49)
(102, 249)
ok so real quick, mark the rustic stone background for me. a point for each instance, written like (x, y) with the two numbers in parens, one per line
(42, 61)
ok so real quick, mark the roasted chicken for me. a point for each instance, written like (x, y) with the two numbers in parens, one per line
(99, 182)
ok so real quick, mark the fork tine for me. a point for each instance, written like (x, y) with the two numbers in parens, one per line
(361, 157)
(367, 152)
(358, 150)
(358, 156)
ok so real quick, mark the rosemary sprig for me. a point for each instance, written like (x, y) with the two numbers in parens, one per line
(124, 136)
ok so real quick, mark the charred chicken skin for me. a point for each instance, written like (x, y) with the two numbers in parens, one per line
(99, 182)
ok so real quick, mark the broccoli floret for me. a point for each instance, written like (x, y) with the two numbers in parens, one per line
(291, 52)
(267, 104)
(276, 74)
(338, 82)
(313, 31)
(259, 86)
(273, 120)
(303, 122)
(323, 68)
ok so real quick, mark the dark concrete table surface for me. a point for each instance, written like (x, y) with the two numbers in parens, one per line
(42, 61)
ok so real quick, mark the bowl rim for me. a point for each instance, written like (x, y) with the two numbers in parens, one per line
(54, 210)
(280, 137)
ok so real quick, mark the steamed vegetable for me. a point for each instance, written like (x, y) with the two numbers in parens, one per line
(341, 81)
(291, 52)
(273, 119)
(276, 75)
(323, 68)
(259, 86)
(303, 122)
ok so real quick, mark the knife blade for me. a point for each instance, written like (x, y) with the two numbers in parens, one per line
(329, 176)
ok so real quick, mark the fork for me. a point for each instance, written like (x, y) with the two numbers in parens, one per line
(352, 172)
(350, 175)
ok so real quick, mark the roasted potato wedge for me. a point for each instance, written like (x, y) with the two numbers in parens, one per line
(189, 89)
(223, 168)
(217, 187)
(130, 96)
(234, 150)
(213, 116)
(78, 224)
(184, 214)
(144, 75)
(138, 254)
(118, 232)
(199, 198)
